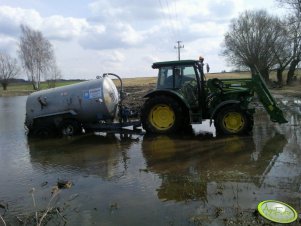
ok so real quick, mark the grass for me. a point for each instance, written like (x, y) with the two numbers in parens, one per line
(28, 86)
(19, 89)
(44, 215)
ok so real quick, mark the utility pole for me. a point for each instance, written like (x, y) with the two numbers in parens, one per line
(179, 49)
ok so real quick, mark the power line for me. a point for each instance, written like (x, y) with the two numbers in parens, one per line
(167, 21)
(177, 21)
(179, 49)
(170, 15)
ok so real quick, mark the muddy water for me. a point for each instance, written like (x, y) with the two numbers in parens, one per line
(189, 179)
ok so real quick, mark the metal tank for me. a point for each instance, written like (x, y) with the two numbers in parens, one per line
(85, 102)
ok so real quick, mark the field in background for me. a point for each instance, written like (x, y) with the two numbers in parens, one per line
(16, 89)
(139, 81)
(142, 81)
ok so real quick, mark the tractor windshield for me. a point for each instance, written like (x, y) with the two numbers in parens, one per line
(173, 77)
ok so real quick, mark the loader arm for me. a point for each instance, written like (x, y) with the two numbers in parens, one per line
(267, 100)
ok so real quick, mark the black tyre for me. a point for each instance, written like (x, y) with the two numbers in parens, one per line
(70, 127)
(43, 130)
(231, 120)
(162, 114)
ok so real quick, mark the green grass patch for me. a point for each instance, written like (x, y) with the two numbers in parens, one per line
(19, 89)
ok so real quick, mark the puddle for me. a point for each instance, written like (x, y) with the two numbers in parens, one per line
(188, 179)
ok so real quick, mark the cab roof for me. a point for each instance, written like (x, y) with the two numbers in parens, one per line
(174, 63)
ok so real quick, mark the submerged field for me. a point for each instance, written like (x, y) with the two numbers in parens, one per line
(192, 178)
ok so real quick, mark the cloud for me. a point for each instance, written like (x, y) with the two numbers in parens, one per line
(55, 27)
(61, 28)
(114, 36)
(8, 44)
(118, 24)
(206, 30)
(113, 57)
(222, 9)
(124, 10)
(11, 18)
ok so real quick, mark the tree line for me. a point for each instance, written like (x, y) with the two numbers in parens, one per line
(261, 42)
(37, 59)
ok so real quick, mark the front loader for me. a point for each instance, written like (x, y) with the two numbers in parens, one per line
(183, 97)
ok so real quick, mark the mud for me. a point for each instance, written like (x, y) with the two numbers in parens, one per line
(134, 96)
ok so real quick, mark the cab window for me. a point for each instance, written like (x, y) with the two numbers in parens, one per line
(189, 72)
(175, 77)
(165, 79)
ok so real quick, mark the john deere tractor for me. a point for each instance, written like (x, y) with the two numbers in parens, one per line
(183, 97)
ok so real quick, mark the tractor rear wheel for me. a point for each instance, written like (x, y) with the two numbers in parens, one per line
(162, 114)
(231, 120)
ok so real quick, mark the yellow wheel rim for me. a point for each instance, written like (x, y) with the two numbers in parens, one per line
(162, 147)
(162, 117)
(233, 122)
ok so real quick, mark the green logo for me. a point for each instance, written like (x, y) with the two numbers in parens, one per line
(277, 211)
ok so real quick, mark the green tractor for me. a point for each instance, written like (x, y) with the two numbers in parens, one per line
(183, 97)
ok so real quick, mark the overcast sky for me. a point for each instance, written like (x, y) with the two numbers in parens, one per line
(91, 37)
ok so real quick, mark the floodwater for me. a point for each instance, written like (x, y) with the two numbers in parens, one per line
(189, 179)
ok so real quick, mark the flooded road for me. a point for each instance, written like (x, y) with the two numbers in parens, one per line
(189, 179)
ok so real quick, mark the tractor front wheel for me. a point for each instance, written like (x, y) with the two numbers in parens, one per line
(162, 114)
(232, 120)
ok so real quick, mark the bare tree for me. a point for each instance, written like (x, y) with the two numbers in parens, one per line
(8, 69)
(283, 53)
(253, 40)
(294, 7)
(52, 75)
(36, 54)
(295, 39)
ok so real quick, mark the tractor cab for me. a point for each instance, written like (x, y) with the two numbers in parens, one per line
(174, 74)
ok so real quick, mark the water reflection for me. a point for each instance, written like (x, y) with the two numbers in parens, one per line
(292, 104)
(97, 155)
(189, 179)
(187, 166)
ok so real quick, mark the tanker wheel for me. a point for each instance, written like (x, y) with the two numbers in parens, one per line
(231, 120)
(70, 127)
(43, 130)
(162, 114)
